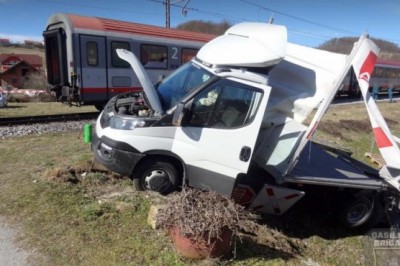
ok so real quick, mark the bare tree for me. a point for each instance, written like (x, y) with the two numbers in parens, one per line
(36, 81)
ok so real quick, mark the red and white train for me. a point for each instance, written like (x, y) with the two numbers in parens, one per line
(386, 74)
(82, 64)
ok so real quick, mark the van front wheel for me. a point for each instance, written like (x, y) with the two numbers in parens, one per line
(158, 175)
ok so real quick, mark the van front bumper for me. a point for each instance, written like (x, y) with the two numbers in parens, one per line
(116, 156)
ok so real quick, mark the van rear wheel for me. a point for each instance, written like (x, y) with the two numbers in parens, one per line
(158, 175)
(362, 212)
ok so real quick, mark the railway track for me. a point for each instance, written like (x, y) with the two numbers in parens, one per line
(42, 119)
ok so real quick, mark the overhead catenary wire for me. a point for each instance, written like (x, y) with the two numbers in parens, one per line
(70, 3)
(298, 18)
(215, 14)
(311, 35)
(308, 21)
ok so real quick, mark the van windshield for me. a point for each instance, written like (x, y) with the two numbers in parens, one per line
(181, 82)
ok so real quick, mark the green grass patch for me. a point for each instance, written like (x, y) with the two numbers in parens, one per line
(66, 211)
(349, 127)
(41, 108)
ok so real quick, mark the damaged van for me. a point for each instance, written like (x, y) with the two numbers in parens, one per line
(232, 120)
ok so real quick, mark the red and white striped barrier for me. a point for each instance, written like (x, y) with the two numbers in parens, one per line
(30, 93)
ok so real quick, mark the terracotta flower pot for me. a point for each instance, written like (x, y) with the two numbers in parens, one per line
(201, 249)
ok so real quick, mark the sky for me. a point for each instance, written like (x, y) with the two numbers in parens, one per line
(309, 22)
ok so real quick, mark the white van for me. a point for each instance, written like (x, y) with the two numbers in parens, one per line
(3, 99)
(232, 121)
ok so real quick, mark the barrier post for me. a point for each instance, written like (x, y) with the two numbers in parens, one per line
(87, 133)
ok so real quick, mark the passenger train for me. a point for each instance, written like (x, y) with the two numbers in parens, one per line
(84, 68)
(386, 74)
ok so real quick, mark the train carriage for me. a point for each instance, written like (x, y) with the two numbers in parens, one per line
(386, 74)
(82, 64)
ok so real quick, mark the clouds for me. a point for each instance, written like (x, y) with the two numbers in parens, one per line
(19, 38)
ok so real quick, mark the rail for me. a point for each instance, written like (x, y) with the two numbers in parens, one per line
(42, 119)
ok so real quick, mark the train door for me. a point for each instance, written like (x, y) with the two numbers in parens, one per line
(93, 80)
(56, 57)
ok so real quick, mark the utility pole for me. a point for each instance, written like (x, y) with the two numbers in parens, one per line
(167, 13)
(168, 4)
(271, 19)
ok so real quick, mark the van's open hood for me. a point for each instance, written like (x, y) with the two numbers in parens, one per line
(148, 88)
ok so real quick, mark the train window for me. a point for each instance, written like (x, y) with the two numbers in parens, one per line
(153, 56)
(388, 73)
(115, 60)
(92, 54)
(188, 54)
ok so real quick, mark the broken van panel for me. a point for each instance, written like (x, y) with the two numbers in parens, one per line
(250, 45)
(232, 121)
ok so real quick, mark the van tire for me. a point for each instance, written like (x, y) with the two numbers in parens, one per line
(158, 175)
(361, 213)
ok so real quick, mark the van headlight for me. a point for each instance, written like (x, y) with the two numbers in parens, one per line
(125, 123)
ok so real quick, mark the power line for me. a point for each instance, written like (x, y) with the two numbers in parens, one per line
(220, 15)
(98, 7)
(309, 21)
(297, 18)
(168, 4)
(311, 35)
(216, 14)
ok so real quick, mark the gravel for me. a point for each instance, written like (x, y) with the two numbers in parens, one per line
(37, 129)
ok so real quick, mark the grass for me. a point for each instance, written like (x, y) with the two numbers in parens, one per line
(21, 50)
(74, 213)
(348, 126)
(64, 219)
(40, 108)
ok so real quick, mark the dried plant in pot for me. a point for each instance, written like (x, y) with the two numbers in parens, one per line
(202, 224)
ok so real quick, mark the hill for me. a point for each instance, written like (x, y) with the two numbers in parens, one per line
(389, 50)
(205, 26)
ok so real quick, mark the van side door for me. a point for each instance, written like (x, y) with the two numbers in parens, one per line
(217, 140)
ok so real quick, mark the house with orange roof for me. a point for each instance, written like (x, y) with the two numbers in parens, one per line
(15, 69)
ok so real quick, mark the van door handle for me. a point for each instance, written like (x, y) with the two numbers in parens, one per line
(245, 154)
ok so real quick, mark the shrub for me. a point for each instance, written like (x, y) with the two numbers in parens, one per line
(196, 212)
(19, 98)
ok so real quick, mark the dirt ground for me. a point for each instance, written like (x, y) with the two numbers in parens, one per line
(10, 252)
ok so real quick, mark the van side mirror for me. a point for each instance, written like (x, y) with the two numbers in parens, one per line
(178, 114)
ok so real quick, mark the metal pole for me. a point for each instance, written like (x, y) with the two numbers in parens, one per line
(168, 10)
(167, 13)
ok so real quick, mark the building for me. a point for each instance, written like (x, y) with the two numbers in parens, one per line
(4, 41)
(15, 69)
